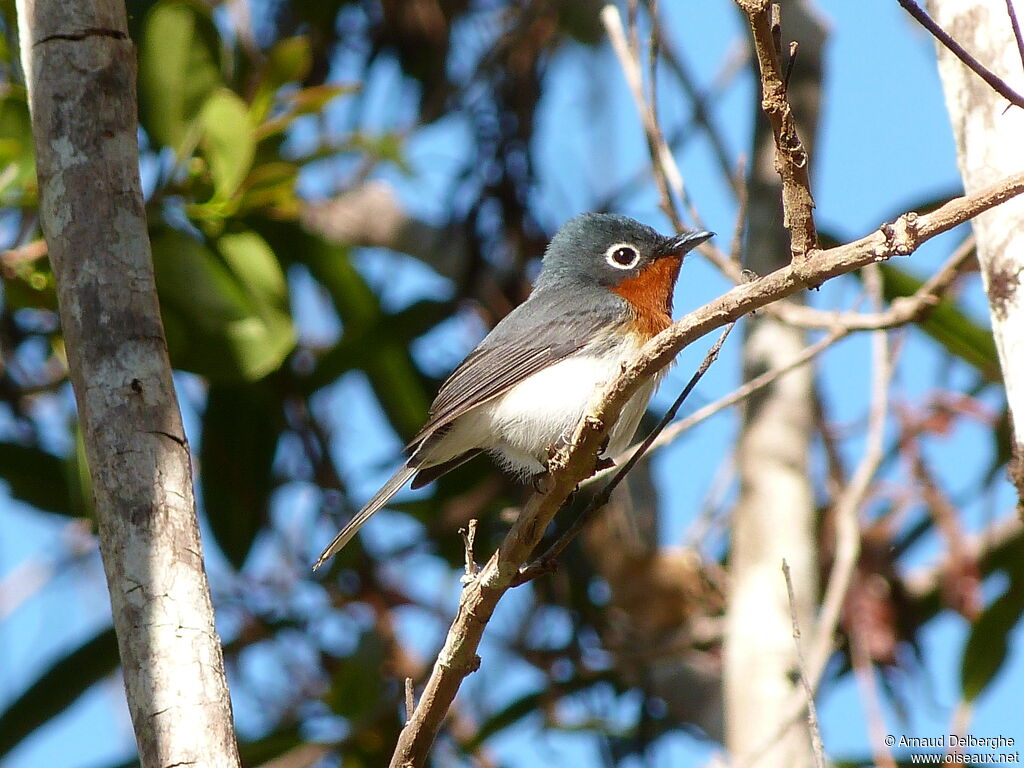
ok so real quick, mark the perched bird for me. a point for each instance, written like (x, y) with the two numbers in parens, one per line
(604, 289)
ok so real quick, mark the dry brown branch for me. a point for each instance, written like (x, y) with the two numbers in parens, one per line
(812, 711)
(410, 699)
(906, 309)
(669, 181)
(546, 562)
(574, 462)
(791, 159)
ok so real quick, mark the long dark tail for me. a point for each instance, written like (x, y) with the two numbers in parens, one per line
(382, 497)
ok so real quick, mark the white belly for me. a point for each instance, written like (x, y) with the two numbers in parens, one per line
(520, 426)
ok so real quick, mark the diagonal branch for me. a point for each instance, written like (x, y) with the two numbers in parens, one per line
(572, 464)
(904, 310)
(548, 561)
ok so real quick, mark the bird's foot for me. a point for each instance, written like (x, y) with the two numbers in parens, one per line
(603, 463)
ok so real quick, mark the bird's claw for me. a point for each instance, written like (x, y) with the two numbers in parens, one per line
(542, 481)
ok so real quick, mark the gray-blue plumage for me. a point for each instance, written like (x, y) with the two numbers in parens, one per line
(528, 382)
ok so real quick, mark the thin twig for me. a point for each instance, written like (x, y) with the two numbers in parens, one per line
(790, 63)
(546, 562)
(569, 466)
(468, 540)
(410, 699)
(812, 711)
(1016, 29)
(997, 84)
(791, 157)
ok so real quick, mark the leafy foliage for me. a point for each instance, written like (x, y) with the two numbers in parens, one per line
(241, 129)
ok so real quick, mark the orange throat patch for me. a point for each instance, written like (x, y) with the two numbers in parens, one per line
(650, 295)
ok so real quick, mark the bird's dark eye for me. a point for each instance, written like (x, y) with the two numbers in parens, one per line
(622, 256)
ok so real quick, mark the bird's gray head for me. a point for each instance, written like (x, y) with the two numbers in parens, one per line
(606, 249)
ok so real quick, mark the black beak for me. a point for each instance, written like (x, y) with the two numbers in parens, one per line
(682, 244)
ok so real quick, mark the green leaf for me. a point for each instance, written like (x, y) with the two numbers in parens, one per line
(948, 325)
(272, 186)
(367, 342)
(288, 61)
(225, 315)
(179, 67)
(57, 688)
(987, 646)
(356, 692)
(228, 141)
(241, 428)
(250, 258)
(36, 477)
(396, 382)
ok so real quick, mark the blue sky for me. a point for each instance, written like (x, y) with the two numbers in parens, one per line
(884, 144)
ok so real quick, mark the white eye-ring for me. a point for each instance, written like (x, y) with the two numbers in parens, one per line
(622, 256)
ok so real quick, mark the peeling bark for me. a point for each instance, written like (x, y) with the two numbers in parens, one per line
(80, 70)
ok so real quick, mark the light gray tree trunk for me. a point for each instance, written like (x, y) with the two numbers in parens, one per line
(990, 145)
(774, 514)
(80, 69)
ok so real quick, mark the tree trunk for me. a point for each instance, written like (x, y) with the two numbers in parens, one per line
(990, 145)
(80, 69)
(774, 514)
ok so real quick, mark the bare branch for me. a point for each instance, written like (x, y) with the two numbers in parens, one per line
(572, 464)
(906, 309)
(410, 699)
(546, 562)
(791, 159)
(997, 84)
(1015, 25)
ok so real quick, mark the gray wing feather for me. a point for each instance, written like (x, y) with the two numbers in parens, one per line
(382, 497)
(547, 328)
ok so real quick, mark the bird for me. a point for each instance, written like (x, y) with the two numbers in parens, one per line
(605, 288)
